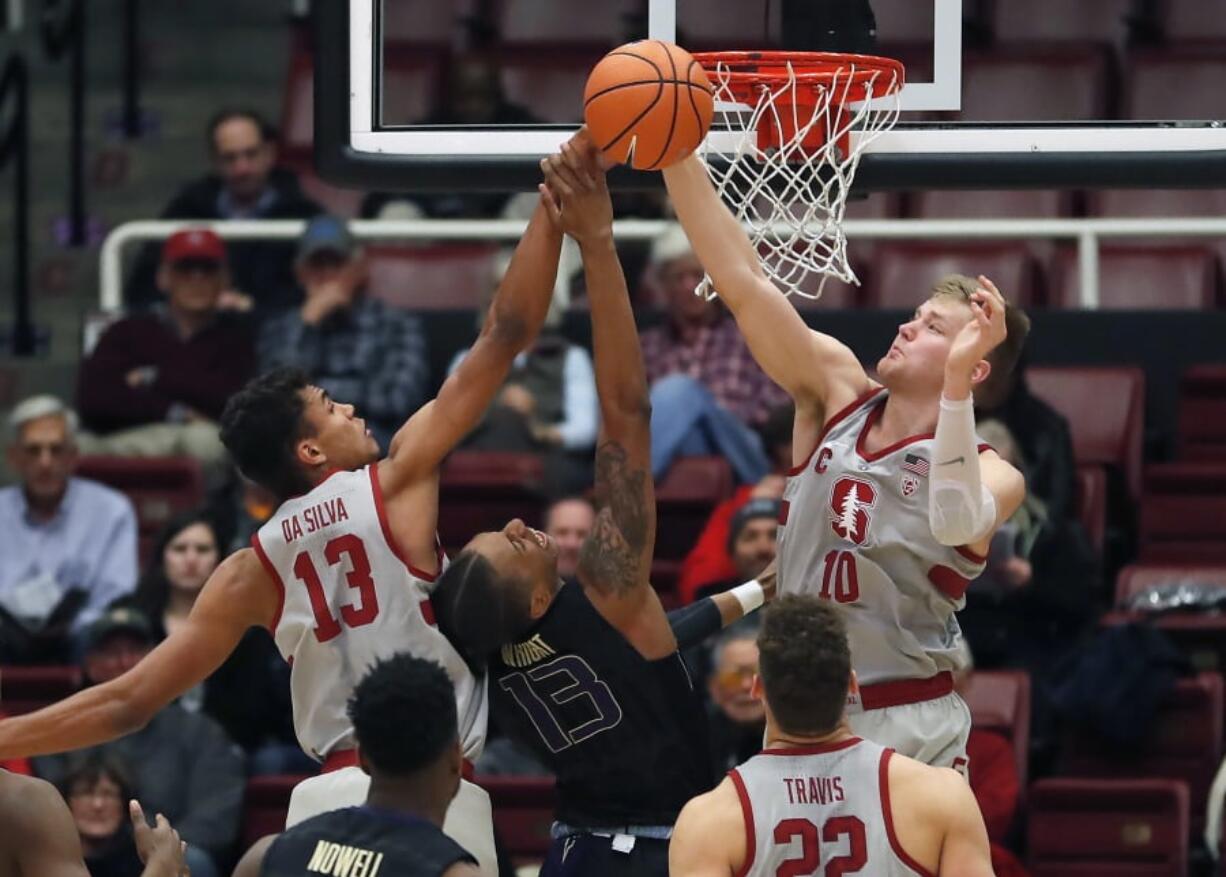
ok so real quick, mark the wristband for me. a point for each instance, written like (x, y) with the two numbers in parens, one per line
(750, 595)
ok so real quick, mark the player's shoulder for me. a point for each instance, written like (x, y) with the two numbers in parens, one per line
(24, 797)
(718, 810)
(942, 790)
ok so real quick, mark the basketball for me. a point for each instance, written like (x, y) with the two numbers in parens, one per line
(647, 104)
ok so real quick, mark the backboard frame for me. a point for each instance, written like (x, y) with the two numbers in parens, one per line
(350, 149)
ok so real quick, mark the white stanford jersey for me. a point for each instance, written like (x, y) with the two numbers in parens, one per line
(820, 810)
(855, 531)
(349, 598)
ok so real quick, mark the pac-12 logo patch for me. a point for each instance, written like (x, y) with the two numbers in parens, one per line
(910, 484)
(850, 500)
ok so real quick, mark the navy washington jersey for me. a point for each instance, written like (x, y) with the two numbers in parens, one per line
(625, 736)
(366, 841)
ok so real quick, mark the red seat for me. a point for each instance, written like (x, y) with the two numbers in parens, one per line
(442, 277)
(1102, 21)
(265, 806)
(903, 274)
(1107, 828)
(1188, 21)
(1040, 83)
(1183, 513)
(159, 487)
(1185, 744)
(345, 203)
(684, 500)
(1142, 277)
(1200, 635)
(25, 689)
(482, 490)
(1000, 204)
(1175, 84)
(523, 814)
(547, 79)
(1092, 504)
(1000, 702)
(1105, 408)
(1157, 202)
(1202, 413)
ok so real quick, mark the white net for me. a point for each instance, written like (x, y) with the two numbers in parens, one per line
(792, 195)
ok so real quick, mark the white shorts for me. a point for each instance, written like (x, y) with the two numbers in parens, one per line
(470, 819)
(932, 731)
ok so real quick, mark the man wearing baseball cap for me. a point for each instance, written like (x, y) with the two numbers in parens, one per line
(157, 381)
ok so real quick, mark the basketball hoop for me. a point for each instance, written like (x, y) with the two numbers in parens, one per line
(788, 134)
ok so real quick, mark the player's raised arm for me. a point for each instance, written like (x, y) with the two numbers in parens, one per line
(615, 560)
(237, 596)
(814, 368)
(515, 316)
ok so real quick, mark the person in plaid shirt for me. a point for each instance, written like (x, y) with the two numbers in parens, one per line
(707, 393)
(356, 348)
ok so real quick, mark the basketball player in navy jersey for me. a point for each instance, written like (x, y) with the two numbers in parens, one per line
(404, 718)
(818, 799)
(588, 674)
(341, 574)
(893, 500)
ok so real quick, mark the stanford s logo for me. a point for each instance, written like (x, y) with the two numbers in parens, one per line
(850, 501)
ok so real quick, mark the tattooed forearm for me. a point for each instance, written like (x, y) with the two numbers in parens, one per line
(614, 556)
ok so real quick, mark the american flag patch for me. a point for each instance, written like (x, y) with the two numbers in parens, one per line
(916, 464)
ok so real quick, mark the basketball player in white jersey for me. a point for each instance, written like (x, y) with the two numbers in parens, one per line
(342, 572)
(818, 799)
(893, 499)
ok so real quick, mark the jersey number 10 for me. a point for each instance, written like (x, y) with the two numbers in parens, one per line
(364, 608)
(839, 580)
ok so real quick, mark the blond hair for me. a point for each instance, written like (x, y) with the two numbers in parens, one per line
(1004, 358)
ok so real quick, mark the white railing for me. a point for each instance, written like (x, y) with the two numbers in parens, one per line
(1087, 233)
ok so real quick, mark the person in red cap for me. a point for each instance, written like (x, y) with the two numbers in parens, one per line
(157, 381)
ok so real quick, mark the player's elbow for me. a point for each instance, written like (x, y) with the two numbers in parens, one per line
(507, 330)
(129, 712)
(625, 411)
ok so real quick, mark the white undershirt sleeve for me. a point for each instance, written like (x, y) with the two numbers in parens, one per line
(961, 509)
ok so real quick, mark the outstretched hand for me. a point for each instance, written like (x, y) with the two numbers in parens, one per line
(159, 847)
(985, 330)
(575, 192)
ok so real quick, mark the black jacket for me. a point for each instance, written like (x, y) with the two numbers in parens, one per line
(263, 270)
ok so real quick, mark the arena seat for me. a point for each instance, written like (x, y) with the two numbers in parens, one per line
(1039, 83)
(1136, 277)
(1101, 21)
(345, 203)
(990, 204)
(903, 273)
(1107, 828)
(685, 497)
(25, 689)
(1105, 408)
(483, 490)
(1185, 744)
(265, 805)
(523, 814)
(1200, 635)
(1183, 513)
(565, 21)
(1092, 504)
(1202, 414)
(1175, 84)
(432, 277)
(1000, 702)
(159, 487)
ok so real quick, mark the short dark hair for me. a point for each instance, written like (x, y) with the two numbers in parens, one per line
(88, 769)
(219, 118)
(404, 714)
(805, 664)
(260, 426)
(478, 609)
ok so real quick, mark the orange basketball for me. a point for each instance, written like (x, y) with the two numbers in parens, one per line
(647, 104)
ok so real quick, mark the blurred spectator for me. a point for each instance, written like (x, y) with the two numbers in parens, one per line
(249, 694)
(737, 717)
(156, 383)
(568, 521)
(355, 347)
(751, 543)
(709, 560)
(472, 96)
(184, 764)
(707, 392)
(98, 790)
(547, 406)
(1042, 436)
(67, 545)
(245, 184)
